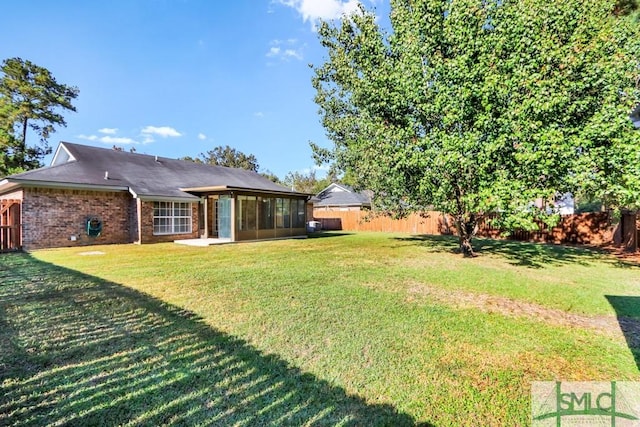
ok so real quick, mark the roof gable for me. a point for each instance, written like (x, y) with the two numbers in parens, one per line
(62, 156)
(341, 195)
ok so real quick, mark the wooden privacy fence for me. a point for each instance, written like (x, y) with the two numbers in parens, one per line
(431, 223)
(588, 228)
(10, 233)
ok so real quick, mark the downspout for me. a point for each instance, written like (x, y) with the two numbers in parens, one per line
(233, 216)
(138, 216)
(206, 217)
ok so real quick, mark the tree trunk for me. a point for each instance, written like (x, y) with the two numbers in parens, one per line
(466, 225)
(21, 155)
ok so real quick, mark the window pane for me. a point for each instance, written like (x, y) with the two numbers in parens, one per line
(161, 225)
(299, 214)
(266, 207)
(286, 212)
(240, 212)
(250, 213)
(279, 213)
(181, 225)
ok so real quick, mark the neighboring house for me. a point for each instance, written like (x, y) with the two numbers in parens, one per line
(339, 197)
(93, 195)
(564, 204)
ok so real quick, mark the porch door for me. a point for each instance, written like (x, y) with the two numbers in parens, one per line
(10, 228)
(224, 217)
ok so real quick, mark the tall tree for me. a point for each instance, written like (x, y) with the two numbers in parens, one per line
(227, 156)
(474, 107)
(306, 183)
(271, 176)
(30, 98)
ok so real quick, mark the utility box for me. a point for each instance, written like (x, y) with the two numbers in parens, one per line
(313, 226)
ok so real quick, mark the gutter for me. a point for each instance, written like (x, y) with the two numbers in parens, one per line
(152, 198)
(12, 183)
(243, 189)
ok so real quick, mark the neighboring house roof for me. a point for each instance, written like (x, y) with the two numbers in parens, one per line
(341, 195)
(145, 176)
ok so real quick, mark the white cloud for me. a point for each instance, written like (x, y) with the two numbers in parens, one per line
(107, 139)
(274, 51)
(259, 114)
(313, 10)
(147, 134)
(108, 131)
(147, 139)
(290, 50)
(292, 53)
(116, 140)
(202, 136)
(162, 131)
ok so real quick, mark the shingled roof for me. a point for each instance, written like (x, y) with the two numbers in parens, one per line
(145, 176)
(341, 195)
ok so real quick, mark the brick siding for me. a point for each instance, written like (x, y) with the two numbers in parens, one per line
(54, 217)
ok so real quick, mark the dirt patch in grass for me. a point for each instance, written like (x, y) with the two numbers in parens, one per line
(509, 307)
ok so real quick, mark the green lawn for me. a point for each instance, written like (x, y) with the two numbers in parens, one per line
(362, 329)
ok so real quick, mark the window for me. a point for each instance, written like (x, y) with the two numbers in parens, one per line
(283, 213)
(246, 215)
(298, 207)
(266, 206)
(171, 217)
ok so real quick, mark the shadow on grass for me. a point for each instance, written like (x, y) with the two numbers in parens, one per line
(533, 255)
(628, 313)
(78, 350)
(323, 234)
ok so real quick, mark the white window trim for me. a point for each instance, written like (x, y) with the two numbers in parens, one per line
(172, 219)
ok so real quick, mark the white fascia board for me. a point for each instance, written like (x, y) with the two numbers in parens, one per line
(151, 198)
(338, 187)
(7, 185)
(66, 185)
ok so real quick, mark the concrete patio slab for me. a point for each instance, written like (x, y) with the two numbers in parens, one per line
(202, 242)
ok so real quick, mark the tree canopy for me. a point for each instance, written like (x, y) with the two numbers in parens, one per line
(30, 98)
(227, 156)
(306, 182)
(480, 107)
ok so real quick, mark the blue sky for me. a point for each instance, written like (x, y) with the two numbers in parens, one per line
(178, 77)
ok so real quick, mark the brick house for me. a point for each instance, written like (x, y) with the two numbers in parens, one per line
(90, 195)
